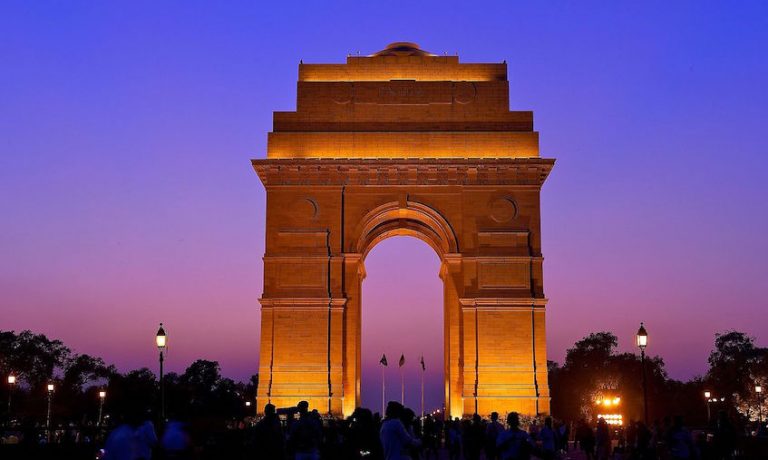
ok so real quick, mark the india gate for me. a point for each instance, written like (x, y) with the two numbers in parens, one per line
(404, 142)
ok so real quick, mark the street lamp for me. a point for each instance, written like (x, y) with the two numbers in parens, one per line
(11, 383)
(48, 418)
(759, 391)
(160, 340)
(642, 342)
(708, 397)
(102, 397)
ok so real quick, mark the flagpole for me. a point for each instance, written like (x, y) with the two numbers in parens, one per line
(383, 397)
(422, 390)
(402, 387)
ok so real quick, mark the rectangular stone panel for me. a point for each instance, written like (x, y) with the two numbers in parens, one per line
(302, 240)
(503, 239)
(504, 275)
(302, 274)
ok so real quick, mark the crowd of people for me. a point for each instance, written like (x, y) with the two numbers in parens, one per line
(303, 434)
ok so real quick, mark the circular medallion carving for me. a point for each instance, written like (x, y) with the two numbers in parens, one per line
(341, 93)
(464, 92)
(307, 207)
(502, 209)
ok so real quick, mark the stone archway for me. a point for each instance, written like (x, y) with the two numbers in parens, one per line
(439, 157)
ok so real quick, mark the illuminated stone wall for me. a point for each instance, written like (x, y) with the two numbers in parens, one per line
(404, 143)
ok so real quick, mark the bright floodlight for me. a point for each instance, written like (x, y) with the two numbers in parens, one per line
(758, 389)
(50, 387)
(707, 394)
(247, 404)
(160, 339)
(102, 394)
(642, 337)
(11, 379)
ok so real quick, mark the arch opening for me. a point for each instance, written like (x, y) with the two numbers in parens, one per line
(402, 314)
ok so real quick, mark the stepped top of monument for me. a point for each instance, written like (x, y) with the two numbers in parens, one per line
(403, 102)
(402, 61)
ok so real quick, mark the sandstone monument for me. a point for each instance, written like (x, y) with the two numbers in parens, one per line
(404, 142)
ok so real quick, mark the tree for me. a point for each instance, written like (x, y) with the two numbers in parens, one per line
(736, 365)
(594, 371)
(202, 374)
(83, 369)
(33, 357)
(733, 362)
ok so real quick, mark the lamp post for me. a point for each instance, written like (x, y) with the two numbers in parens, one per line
(759, 391)
(11, 384)
(708, 397)
(642, 342)
(102, 397)
(48, 417)
(160, 340)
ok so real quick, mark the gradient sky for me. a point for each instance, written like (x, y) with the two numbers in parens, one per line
(127, 196)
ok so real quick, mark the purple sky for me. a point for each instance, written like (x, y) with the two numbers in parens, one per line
(127, 197)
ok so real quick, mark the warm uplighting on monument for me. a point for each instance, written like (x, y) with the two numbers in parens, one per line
(404, 142)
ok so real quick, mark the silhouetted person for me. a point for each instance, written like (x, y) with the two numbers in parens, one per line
(492, 432)
(363, 434)
(724, 436)
(563, 434)
(122, 443)
(602, 440)
(269, 441)
(430, 437)
(548, 440)
(453, 438)
(131, 440)
(679, 441)
(514, 443)
(306, 434)
(586, 439)
(472, 437)
(395, 440)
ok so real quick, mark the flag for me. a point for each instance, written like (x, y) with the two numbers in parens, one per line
(402, 360)
(423, 368)
(383, 360)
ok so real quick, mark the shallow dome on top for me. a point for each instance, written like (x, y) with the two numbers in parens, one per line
(402, 49)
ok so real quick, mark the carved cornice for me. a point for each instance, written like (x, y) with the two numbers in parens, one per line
(505, 303)
(303, 303)
(387, 171)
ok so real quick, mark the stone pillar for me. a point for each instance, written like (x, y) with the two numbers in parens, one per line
(505, 356)
(354, 273)
(451, 274)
